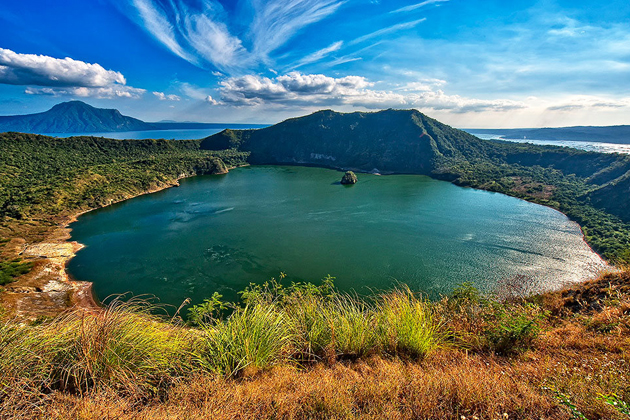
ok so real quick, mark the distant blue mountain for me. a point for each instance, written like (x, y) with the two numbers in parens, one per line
(72, 117)
(79, 117)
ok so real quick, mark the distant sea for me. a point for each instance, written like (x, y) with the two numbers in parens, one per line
(582, 145)
(186, 134)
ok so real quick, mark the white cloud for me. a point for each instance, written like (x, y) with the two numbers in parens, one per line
(164, 97)
(110, 92)
(42, 70)
(210, 100)
(417, 6)
(199, 32)
(198, 35)
(212, 40)
(315, 90)
(588, 102)
(157, 23)
(63, 77)
(197, 93)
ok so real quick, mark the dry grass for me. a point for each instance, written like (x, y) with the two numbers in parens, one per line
(581, 354)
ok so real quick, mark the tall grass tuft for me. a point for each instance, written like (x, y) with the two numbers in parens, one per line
(339, 326)
(121, 347)
(407, 326)
(254, 337)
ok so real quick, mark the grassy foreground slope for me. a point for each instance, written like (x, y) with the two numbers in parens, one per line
(591, 188)
(310, 352)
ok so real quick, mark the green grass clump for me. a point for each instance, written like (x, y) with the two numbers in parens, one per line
(256, 337)
(126, 348)
(407, 325)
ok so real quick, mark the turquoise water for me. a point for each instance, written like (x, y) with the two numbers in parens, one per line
(219, 233)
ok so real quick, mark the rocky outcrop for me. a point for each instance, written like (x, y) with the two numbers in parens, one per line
(349, 178)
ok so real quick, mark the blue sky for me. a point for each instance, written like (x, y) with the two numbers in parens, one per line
(468, 63)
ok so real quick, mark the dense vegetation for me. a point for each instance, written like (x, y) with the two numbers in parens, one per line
(44, 176)
(302, 351)
(591, 188)
(10, 270)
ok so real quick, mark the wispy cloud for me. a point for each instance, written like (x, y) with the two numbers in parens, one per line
(277, 21)
(417, 6)
(317, 55)
(388, 30)
(199, 32)
(342, 60)
(109, 92)
(197, 35)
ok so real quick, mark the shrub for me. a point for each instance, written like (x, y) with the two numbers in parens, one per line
(466, 293)
(514, 328)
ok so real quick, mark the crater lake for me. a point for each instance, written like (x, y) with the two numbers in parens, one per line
(219, 233)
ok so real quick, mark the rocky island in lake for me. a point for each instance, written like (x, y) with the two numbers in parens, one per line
(349, 178)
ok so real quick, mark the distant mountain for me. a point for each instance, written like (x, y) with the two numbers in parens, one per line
(72, 117)
(79, 117)
(614, 134)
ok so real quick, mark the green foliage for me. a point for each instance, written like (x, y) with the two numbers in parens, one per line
(617, 403)
(275, 291)
(466, 293)
(514, 327)
(42, 175)
(208, 311)
(10, 270)
(565, 400)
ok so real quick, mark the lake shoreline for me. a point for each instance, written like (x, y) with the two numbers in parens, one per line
(48, 289)
(80, 294)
